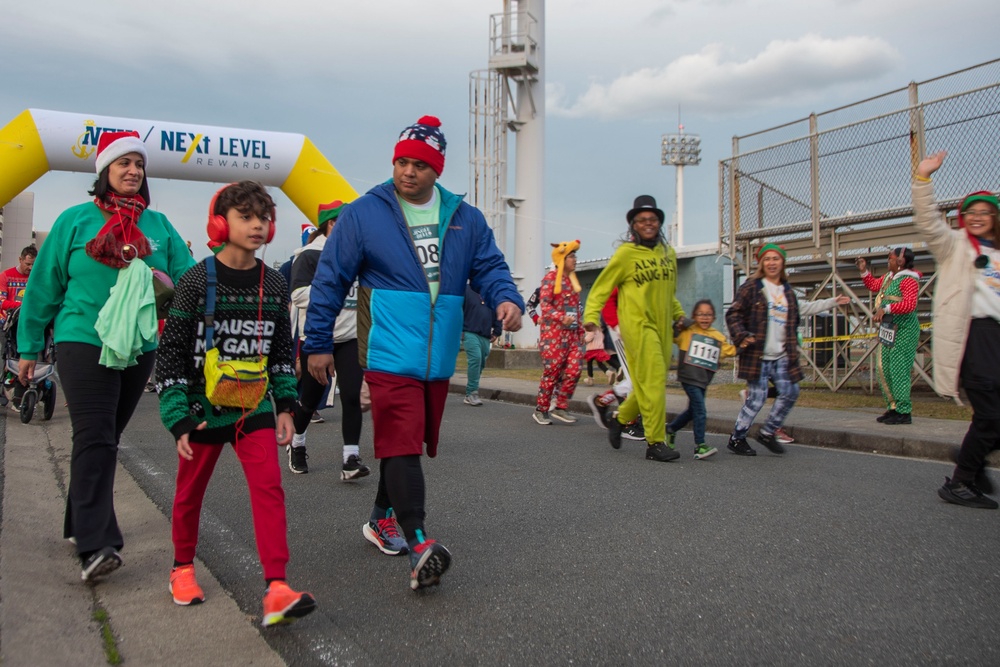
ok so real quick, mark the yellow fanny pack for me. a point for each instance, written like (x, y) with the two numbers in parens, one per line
(230, 383)
(235, 384)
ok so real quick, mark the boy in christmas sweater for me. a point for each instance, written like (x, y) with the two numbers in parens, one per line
(250, 324)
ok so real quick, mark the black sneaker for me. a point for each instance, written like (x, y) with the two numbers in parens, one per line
(898, 418)
(741, 446)
(101, 562)
(354, 469)
(886, 415)
(983, 481)
(634, 431)
(769, 441)
(968, 495)
(660, 452)
(297, 459)
(614, 429)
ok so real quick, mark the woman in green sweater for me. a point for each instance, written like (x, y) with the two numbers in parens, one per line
(90, 249)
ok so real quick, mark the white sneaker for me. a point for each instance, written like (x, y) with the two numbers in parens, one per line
(562, 416)
(541, 417)
(473, 399)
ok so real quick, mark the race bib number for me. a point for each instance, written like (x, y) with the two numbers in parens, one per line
(425, 240)
(351, 302)
(704, 352)
(887, 334)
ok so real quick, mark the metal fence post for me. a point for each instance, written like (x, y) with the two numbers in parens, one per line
(917, 147)
(814, 177)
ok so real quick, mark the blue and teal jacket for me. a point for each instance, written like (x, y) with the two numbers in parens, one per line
(399, 330)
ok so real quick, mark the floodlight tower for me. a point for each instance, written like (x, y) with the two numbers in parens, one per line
(678, 150)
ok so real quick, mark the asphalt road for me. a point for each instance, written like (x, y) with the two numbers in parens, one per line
(566, 551)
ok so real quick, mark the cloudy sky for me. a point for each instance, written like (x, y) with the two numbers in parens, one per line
(351, 75)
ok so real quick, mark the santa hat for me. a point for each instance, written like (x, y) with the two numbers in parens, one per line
(423, 141)
(329, 211)
(112, 145)
(560, 251)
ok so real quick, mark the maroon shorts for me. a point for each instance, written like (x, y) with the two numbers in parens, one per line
(406, 413)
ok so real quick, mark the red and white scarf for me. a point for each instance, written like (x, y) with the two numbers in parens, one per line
(120, 239)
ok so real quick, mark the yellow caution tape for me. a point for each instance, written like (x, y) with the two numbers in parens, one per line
(926, 326)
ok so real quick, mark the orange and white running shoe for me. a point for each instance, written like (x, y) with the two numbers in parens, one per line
(282, 605)
(184, 587)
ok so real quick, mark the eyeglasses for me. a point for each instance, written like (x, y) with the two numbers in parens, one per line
(979, 214)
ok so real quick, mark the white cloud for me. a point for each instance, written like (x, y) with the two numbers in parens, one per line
(709, 83)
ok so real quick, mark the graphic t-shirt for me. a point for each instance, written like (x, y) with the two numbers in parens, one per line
(422, 220)
(986, 298)
(777, 318)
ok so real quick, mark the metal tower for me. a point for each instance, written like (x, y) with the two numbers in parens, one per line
(515, 86)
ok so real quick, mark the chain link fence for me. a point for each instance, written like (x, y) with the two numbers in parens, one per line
(853, 165)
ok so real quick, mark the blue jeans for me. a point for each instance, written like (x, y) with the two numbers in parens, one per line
(788, 393)
(695, 412)
(477, 349)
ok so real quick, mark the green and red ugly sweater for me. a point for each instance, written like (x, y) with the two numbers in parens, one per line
(239, 335)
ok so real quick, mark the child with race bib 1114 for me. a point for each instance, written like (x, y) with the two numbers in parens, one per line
(701, 348)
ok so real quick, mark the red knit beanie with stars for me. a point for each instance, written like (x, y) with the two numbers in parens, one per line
(423, 141)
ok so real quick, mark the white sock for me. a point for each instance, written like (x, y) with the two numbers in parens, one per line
(299, 440)
(351, 450)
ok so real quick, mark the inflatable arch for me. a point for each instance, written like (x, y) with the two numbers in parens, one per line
(38, 141)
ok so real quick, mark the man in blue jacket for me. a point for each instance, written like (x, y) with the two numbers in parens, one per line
(412, 246)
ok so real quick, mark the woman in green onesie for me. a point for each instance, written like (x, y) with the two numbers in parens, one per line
(895, 314)
(644, 269)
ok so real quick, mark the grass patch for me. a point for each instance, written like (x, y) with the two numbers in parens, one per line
(111, 653)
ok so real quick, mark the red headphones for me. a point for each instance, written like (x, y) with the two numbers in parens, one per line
(218, 226)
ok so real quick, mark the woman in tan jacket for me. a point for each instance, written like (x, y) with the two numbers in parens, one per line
(966, 324)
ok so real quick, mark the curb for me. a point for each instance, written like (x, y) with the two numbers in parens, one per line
(914, 443)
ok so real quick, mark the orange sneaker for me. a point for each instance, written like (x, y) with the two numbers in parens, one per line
(184, 587)
(283, 605)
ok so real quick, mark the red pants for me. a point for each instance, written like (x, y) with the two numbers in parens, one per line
(562, 352)
(406, 413)
(258, 454)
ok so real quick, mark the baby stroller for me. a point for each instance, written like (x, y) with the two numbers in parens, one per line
(42, 387)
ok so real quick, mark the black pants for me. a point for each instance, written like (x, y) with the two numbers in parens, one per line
(590, 367)
(980, 369)
(349, 377)
(401, 487)
(101, 402)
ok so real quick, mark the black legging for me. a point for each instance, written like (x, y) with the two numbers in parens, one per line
(349, 377)
(978, 375)
(590, 367)
(405, 477)
(101, 402)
